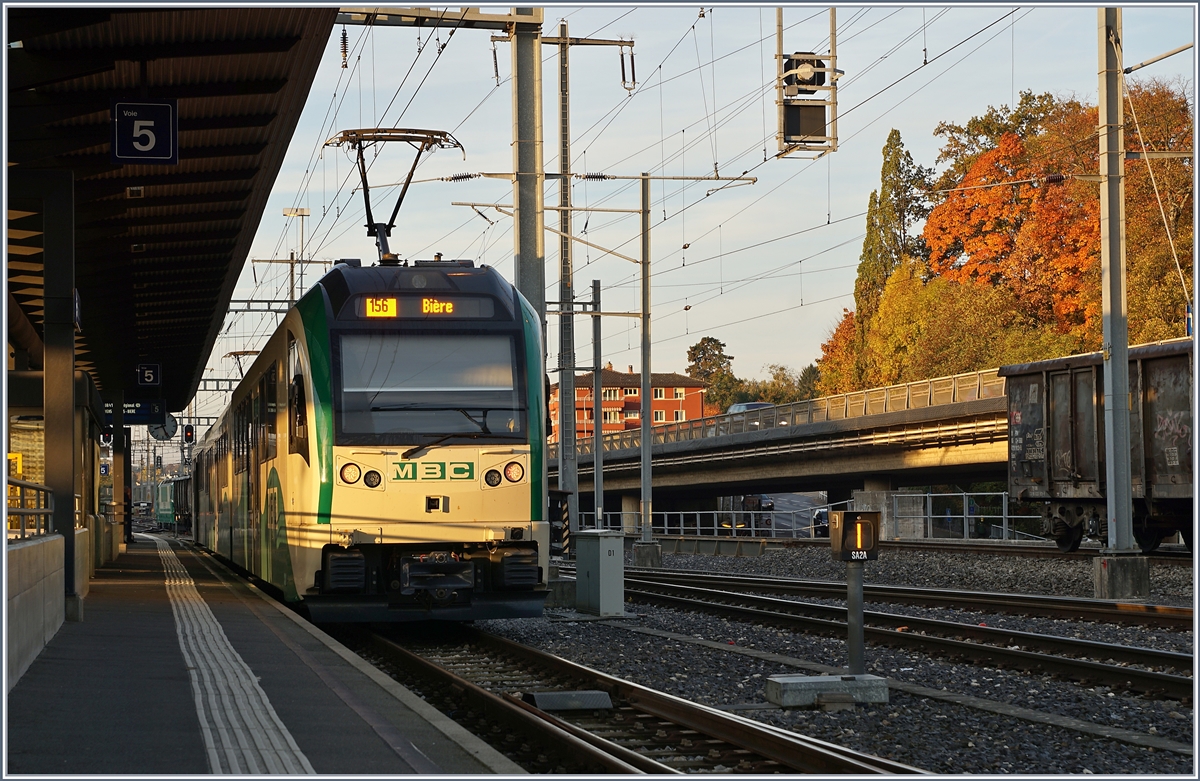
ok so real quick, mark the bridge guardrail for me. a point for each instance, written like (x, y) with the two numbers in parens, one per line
(970, 386)
(788, 524)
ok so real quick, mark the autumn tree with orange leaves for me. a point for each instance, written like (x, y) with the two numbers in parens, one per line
(1004, 225)
(1013, 266)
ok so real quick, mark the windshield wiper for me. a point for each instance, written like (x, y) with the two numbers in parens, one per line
(414, 450)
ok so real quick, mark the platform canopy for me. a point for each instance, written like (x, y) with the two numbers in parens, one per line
(158, 247)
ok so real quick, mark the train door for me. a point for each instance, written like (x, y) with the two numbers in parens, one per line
(1073, 428)
(1168, 424)
(254, 490)
(265, 500)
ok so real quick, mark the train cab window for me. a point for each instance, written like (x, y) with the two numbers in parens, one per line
(297, 406)
(404, 389)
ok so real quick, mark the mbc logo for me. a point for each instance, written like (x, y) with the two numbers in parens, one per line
(433, 470)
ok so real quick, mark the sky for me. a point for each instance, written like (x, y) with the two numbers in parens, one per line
(766, 268)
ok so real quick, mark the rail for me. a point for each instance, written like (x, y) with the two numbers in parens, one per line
(30, 506)
(970, 386)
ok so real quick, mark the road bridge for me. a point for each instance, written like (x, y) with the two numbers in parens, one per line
(937, 430)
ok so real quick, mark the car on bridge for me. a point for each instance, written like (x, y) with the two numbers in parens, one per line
(746, 421)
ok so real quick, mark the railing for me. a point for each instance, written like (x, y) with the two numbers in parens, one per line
(29, 509)
(971, 386)
(961, 516)
(709, 523)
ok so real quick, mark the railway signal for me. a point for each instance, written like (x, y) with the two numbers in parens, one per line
(189, 434)
(854, 536)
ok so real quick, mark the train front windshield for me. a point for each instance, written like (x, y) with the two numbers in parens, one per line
(401, 389)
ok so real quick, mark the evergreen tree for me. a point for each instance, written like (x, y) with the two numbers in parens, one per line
(810, 376)
(892, 214)
(707, 357)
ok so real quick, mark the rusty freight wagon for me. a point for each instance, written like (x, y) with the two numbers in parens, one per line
(1056, 443)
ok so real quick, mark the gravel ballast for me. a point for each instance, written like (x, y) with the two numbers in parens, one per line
(923, 731)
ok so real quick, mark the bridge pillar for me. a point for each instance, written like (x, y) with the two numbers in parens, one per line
(879, 501)
(631, 510)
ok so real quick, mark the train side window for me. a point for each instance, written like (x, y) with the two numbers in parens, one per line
(239, 439)
(256, 423)
(297, 405)
(270, 407)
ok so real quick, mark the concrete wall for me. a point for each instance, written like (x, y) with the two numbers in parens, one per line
(36, 604)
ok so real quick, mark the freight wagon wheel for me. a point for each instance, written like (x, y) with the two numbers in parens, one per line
(1068, 541)
(1147, 539)
(1187, 533)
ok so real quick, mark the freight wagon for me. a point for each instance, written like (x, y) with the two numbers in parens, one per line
(1056, 448)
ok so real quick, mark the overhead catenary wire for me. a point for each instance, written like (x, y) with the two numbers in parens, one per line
(1150, 169)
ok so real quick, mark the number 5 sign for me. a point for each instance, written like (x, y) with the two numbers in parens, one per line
(145, 133)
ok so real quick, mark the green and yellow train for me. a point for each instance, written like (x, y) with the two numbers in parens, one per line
(383, 458)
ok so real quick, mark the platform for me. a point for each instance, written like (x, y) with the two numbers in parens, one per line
(181, 669)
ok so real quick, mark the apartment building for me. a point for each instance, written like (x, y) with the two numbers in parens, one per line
(674, 398)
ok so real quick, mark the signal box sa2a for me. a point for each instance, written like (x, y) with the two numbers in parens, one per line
(854, 536)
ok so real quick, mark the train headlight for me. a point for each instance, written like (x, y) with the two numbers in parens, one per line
(513, 472)
(372, 479)
(492, 478)
(350, 473)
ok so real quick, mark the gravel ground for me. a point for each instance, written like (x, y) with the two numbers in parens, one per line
(924, 732)
(1170, 584)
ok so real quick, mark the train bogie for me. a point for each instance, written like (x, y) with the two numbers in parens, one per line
(1057, 446)
(383, 460)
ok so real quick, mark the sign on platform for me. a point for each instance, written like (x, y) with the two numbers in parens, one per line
(145, 133)
(139, 413)
(149, 374)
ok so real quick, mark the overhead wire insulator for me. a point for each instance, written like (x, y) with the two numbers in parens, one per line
(1055, 179)
(630, 83)
(345, 46)
(459, 177)
(594, 177)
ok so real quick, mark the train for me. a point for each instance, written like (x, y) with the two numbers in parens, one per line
(383, 459)
(1056, 450)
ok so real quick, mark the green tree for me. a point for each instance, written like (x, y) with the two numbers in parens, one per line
(723, 389)
(708, 363)
(782, 386)
(962, 144)
(706, 358)
(892, 215)
(810, 376)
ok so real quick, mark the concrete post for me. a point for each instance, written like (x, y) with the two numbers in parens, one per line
(646, 552)
(568, 463)
(597, 403)
(56, 189)
(528, 214)
(1129, 580)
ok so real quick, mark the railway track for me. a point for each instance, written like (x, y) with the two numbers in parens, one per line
(1070, 608)
(1178, 556)
(1122, 667)
(484, 682)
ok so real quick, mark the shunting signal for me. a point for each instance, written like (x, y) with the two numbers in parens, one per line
(854, 536)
